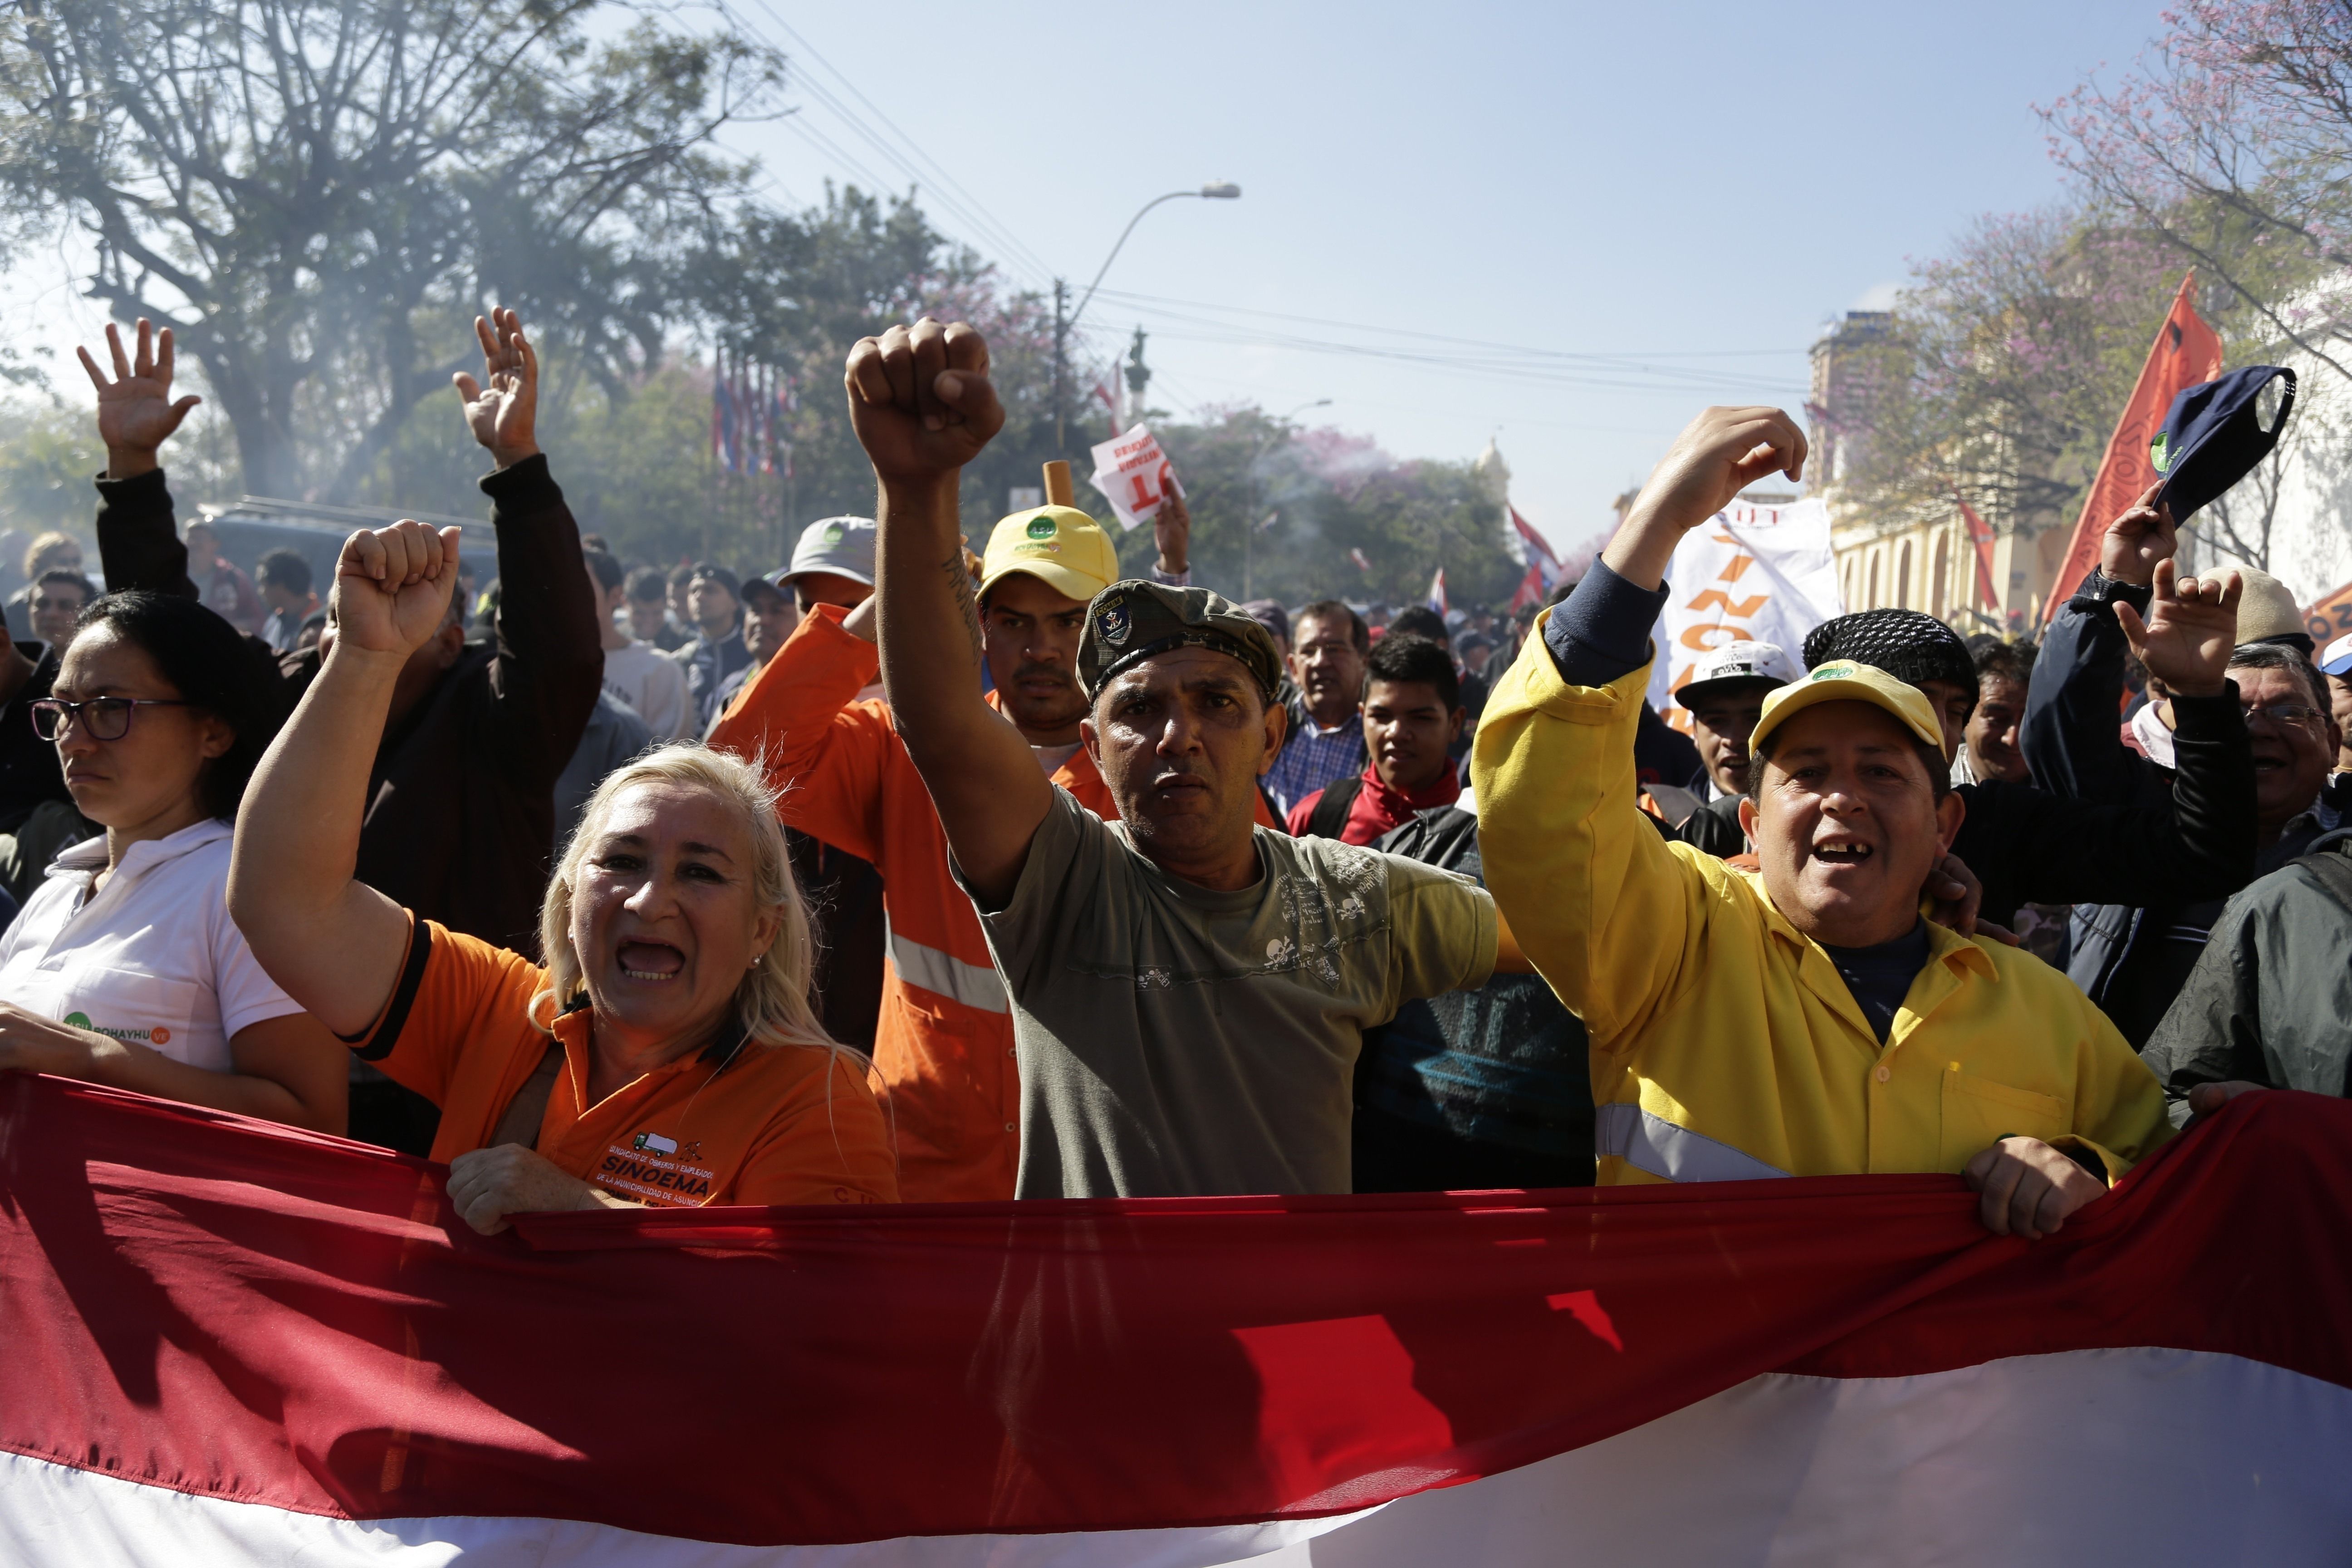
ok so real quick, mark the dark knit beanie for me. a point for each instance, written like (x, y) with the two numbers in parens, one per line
(1907, 645)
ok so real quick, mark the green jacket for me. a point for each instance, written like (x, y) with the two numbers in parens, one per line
(2270, 995)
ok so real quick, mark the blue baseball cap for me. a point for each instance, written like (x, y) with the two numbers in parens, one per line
(2214, 436)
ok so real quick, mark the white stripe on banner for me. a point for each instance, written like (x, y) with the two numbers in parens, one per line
(1650, 1142)
(946, 974)
(2155, 1457)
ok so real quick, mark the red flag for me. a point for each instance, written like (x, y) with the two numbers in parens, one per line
(1535, 548)
(1531, 590)
(2185, 352)
(1980, 535)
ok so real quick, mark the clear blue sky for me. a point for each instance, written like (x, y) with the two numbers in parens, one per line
(1667, 180)
(1696, 187)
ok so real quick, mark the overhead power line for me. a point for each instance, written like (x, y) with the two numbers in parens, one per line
(945, 192)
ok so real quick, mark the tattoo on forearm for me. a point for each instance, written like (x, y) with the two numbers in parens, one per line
(959, 583)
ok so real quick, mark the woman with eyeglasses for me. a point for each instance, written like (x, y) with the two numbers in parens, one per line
(124, 968)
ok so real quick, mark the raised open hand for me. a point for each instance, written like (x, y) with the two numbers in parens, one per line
(2136, 541)
(920, 400)
(135, 411)
(2191, 626)
(392, 587)
(503, 414)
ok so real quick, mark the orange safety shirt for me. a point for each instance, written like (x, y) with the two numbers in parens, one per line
(761, 1124)
(944, 1048)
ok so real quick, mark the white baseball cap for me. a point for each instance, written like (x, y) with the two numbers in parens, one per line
(1738, 661)
(2335, 659)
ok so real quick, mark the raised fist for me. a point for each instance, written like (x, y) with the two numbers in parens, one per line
(392, 587)
(920, 400)
(1719, 454)
(502, 408)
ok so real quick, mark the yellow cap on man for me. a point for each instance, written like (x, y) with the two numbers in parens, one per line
(1058, 545)
(1843, 680)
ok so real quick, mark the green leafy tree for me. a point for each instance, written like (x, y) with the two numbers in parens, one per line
(318, 194)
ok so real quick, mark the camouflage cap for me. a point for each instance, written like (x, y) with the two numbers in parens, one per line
(1130, 621)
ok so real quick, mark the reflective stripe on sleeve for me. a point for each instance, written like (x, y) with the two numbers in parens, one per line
(1651, 1142)
(949, 976)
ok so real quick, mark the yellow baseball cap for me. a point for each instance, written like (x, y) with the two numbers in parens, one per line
(1843, 680)
(1058, 545)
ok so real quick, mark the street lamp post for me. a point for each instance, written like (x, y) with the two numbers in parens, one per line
(1065, 324)
(1249, 518)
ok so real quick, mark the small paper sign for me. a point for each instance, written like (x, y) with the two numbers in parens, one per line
(1131, 470)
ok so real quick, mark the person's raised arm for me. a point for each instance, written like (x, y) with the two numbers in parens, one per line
(138, 544)
(333, 944)
(550, 656)
(2069, 732)
(1603, 907)
(921, 403)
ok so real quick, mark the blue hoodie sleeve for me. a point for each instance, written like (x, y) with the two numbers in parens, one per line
(2072, 732)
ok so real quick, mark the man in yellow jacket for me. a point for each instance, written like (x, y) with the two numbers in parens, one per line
(1806, 1019)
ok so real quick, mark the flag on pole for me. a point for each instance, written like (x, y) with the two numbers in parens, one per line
(1532, 590)
(2185, 352)
(1437, 592)
(1358, 557)
(1532, 549)
(1981, 538)
(233, 1343)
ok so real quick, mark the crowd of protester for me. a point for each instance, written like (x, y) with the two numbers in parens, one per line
(896, 872)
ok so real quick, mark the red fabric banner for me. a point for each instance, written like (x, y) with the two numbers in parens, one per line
(2185, 352)
(199, 1302)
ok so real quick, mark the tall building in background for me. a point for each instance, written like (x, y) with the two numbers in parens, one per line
(1918, 558)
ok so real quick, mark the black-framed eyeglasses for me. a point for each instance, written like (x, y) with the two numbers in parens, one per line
(100, 718)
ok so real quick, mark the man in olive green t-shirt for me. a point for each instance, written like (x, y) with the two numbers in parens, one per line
(1189, 992)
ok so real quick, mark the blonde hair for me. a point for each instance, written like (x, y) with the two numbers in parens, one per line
(45, 545)
(771, 1000)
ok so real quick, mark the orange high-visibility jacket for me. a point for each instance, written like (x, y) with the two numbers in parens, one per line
(943, 1057)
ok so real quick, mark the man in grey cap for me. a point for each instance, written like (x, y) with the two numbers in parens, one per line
(1189, 992)
(832, 564)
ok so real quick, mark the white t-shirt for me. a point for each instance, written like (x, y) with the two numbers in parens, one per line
(654, 684)
(153, 958)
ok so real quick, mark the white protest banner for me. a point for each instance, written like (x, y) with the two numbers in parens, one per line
(1750, 573)
(1131, 470)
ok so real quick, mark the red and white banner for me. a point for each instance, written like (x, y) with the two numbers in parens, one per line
(231, 1343)
(1135, 475)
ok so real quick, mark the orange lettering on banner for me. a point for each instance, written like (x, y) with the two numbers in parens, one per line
(1733, 568)
(1716, 599)
(2331, 617)
(1697, 637)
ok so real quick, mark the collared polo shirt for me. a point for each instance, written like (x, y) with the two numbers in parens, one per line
(748, 1123)
(152, 957)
